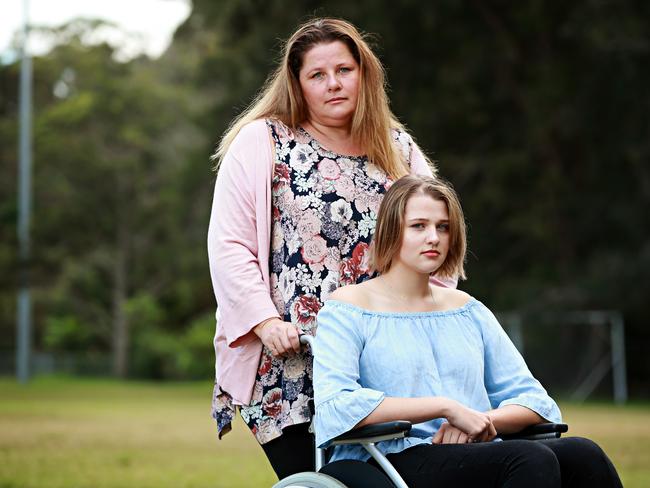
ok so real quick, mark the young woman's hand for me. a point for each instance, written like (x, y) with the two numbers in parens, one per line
(280, 337)
(448, 434)
(476, 425)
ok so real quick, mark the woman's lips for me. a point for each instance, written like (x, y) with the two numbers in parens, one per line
(431, 254)
(336, 100)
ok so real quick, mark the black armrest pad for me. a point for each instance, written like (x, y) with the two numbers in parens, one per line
(533, 430)
(375, 430)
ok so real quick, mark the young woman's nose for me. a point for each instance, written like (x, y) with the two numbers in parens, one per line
(432, 236)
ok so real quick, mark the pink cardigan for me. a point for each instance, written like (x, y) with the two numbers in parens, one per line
(239, 241)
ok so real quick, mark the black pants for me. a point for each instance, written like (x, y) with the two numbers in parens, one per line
(566, 462)
(292, 452)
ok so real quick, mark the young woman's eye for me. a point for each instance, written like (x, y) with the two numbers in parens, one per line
(316, 76)
(443, 227)
(344, 69)
(417, 226)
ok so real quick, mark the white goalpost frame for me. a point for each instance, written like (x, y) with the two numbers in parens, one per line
(613, 361)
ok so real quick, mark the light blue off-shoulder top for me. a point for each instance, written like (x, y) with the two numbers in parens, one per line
(361, 356)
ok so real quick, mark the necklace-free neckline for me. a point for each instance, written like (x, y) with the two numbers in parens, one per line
(389, 291)
(307, 134)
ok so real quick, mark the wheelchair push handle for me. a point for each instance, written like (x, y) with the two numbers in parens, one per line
(306, 340)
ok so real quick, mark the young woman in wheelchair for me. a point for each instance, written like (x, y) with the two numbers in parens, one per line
(397, 348)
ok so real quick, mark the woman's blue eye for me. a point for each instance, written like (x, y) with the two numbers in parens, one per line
(344, 69)
(317, 75)
(418, 226)
(443, 227)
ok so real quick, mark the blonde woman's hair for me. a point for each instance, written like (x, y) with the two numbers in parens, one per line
(281, 97)
(389, 229)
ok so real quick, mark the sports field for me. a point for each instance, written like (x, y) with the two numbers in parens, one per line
(58, 432)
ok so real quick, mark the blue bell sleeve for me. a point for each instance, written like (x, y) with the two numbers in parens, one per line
(341, 400)
(508, 380)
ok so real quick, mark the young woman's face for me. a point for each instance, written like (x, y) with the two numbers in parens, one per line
(329, 78)
(425, 241)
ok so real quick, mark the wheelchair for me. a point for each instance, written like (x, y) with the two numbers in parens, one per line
(356, 474)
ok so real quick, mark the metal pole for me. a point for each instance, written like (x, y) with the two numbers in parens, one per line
(619, 372)
(24, 318)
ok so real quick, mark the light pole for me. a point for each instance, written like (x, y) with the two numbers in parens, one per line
(24, 308)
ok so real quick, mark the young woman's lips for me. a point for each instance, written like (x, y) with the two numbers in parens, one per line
(431, 254)
(336, 100)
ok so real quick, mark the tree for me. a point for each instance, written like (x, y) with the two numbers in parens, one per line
(110, 140)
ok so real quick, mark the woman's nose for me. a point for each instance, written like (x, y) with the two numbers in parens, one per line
(333, 82)
(432, 236)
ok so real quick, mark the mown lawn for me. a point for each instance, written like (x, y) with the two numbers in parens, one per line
(58, 432)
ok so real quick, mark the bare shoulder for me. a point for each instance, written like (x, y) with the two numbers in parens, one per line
(353, 294)
(451, 298)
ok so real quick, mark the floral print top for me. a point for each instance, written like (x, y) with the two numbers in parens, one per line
(324, 209)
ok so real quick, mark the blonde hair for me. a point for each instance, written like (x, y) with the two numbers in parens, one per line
(281, 97)
(389, 229)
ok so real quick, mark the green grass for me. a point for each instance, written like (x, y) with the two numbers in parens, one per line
(95, 433)
(58, 432)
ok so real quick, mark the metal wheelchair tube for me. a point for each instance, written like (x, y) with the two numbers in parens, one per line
(385, 464)
(306, 340)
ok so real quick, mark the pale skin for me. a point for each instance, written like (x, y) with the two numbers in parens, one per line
(329, 79)
(425, 245)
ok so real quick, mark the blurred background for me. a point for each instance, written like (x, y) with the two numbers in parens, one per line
(537, 112)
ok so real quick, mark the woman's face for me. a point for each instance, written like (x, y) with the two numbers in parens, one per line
(329, 79)
(425, 240)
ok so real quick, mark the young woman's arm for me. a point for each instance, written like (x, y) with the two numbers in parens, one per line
(476, 425)
(513, 418)
(517, 398)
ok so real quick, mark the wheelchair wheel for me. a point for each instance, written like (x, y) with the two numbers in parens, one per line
(309, 480)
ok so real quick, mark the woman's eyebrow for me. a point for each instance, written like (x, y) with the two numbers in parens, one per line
(426, 219)
(321, 66)
(312, 70)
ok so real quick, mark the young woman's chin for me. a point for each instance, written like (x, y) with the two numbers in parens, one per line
(425, 270)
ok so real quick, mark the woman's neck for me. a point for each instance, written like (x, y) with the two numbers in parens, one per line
(410, 286)
(335, 138)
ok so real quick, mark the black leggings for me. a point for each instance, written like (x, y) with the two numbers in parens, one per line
(292, 452)
(566, 462)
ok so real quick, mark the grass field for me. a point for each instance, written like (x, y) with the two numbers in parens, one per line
(59, 432)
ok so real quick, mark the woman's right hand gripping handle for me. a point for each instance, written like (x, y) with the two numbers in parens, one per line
(280, 337)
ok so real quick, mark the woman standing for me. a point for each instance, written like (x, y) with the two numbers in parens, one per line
(301, 175)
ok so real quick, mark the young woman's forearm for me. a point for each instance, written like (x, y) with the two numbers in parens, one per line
(475, 424)
(412, 409)
(513, 418)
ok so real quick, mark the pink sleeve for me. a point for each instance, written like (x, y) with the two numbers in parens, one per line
(419, 163)
(420, 166)
(242, 295)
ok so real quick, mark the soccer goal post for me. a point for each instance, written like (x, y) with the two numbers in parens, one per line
(610, 359)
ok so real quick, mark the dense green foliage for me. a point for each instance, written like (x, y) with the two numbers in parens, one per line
(537, 112)
(120, 210)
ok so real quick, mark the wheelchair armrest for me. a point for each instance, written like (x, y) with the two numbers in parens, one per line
(538, 431)
(375, 433)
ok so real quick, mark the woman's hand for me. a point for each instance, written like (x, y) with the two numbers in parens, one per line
(476, 425)
(280, 337)
(448, 434)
